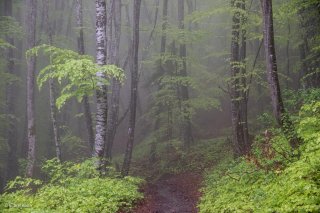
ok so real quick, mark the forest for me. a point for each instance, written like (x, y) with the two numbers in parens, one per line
(160, 106)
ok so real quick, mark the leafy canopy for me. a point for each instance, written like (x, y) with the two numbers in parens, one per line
(78, 74)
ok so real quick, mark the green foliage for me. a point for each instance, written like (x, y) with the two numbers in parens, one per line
(71, 187)
(78, 74)
(10, 27)
(171, 157)
(271, 180)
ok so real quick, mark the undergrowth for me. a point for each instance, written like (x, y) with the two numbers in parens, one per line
(71, 187)
(172, 158)
(273, 178)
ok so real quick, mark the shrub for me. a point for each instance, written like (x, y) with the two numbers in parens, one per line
(258, 184)
(70, 188)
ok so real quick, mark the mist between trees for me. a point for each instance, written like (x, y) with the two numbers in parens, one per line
(100, 79)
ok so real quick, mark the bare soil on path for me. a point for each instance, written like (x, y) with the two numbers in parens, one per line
(172, 194)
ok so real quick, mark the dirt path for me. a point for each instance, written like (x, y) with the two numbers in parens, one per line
(172, 194)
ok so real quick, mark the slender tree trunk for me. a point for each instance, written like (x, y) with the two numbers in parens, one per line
(235, 81)
(288, 55)
(271, 61)
(280, 114)
(134, 87)
(116, 85)
(183, 89)
(153, 147)
(12, 159)
(244, 91)
(52, 96)
(31, 66)
(81, 50)
(101, 93)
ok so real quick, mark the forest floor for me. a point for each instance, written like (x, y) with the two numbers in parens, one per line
(172, 193)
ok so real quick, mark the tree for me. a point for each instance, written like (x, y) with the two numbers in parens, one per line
(113, 115)
(279, 111)
(81, 51)
(238, 139)
(134, 87)
(161, 71)
(183, 91)
(101, 93)
(12, 160)
(238, 82)
(31, 66)
(52, 88)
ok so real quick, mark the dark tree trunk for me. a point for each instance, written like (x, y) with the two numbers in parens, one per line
(244, 91)
(31, 66)
(81, 50)
(116, 85)
(288, 55)
(101, 93)
(183, 89)
(153, 147)
(12, 159)
(280, 114)
(134, 87)
(238, 137)
(52, 96)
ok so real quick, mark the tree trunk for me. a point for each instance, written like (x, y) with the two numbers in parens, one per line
(52, 96)
(31, 66)
(101, 93)
(288, 55)
(183, 89)
(12, 159)
(81, 50)
(235, 81)
(244, 90)
(116, 85)
(134, 88)
(280, 114)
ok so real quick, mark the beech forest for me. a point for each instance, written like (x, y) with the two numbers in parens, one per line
(160, 106)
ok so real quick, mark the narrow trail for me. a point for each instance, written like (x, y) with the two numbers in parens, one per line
(172, 194)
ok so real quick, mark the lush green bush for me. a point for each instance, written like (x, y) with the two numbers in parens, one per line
(272, 179)
(70, 188)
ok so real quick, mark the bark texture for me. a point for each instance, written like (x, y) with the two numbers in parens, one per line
(238, 84)
(101, 93)
(280, 114)
(134, 88)
(31, 6)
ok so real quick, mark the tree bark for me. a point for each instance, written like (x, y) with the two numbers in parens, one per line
(238, 138)
(12, 160)
(134, 88)
(31, 66)
(81, 51)
(280, 114)
(101, 93)
(183, 89)
(116, 85)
